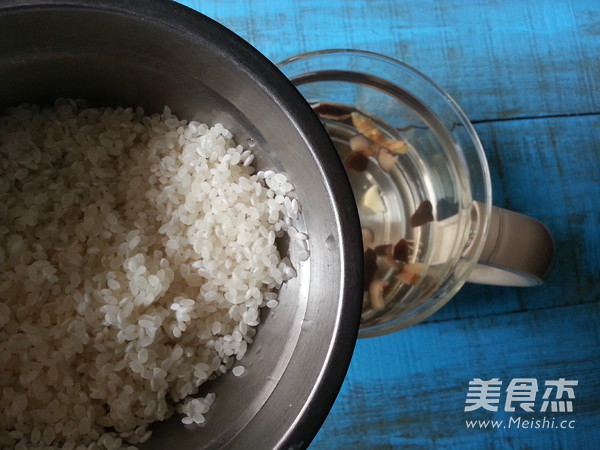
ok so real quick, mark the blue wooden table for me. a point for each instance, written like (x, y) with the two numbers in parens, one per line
(527, 73)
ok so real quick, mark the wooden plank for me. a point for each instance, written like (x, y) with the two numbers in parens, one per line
(408, 390)
(499, 59)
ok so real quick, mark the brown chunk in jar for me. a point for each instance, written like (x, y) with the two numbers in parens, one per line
(356, 161)
(370, 268)
(401, 251)
(423, 214)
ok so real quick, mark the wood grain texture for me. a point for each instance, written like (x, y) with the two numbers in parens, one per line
(501, 58)
(528, 76)
(408, 390)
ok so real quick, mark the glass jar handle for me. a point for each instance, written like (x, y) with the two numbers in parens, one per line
(518, 251)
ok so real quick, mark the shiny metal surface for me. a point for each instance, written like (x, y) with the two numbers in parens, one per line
(153, 53)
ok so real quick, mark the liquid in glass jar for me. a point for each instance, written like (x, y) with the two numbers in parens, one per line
(396, 204)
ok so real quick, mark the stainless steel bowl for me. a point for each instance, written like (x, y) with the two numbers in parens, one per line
(154, 53)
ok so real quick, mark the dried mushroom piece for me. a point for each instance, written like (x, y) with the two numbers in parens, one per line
(395, 146)
(376, 294)
(390, 259)
(370, 266)
(401, 251)
(367, 128)
(386, 159)
(369, 142)
(331, 111)
(356, 161)
(423, 214)
(361, 144)
(411, 273)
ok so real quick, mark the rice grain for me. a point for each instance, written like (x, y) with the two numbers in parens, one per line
(136, 253)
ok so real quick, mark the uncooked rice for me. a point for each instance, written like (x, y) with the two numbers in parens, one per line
(135, 254)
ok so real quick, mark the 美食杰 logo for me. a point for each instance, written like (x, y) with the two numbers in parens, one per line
(521, 395)
(557, 395)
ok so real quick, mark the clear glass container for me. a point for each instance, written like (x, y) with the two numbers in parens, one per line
(418, 173)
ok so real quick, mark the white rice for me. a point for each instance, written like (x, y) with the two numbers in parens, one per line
(135, 254)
